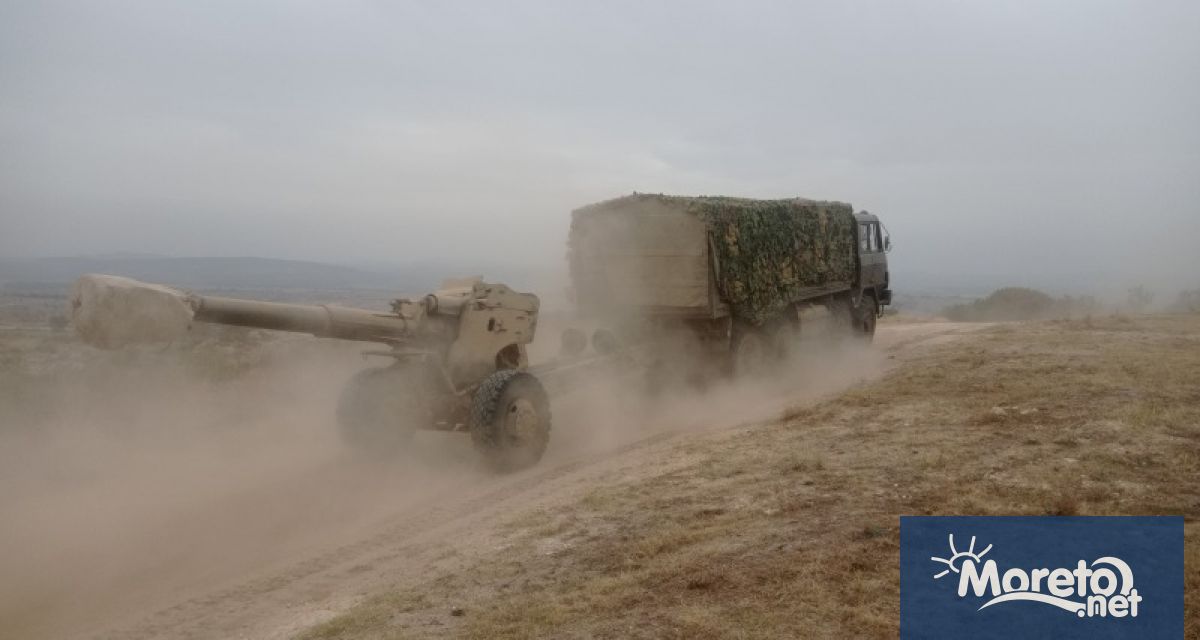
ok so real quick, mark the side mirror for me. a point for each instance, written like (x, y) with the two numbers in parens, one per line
(887, 243)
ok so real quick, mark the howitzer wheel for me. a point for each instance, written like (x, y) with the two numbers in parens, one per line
(379, 410)
(510, 420)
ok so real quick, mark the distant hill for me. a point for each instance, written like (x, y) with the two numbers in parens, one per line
(1020, 303)
(196, 273)
(269, 278)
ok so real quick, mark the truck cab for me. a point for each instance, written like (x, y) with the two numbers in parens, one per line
(873, 245)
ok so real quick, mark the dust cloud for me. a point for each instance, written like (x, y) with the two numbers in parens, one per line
(136, 479)
(620, 406)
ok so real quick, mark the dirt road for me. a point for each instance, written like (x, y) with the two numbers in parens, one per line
(264, 553)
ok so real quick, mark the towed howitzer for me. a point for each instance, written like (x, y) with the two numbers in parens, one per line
(460, 356)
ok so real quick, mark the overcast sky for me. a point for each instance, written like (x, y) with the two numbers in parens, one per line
(1016, 139)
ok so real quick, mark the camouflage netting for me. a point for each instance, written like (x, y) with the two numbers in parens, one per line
(767, 251)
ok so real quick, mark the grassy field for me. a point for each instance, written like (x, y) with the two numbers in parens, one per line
(790, 528)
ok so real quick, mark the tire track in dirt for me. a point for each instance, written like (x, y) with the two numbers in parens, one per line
(275, 604)
(193, 618)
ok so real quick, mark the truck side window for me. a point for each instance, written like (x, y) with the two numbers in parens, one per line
(864, 238)
(877, 238)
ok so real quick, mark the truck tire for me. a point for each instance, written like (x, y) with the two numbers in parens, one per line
(750, 351)
(865, 315)
(379, 410)
(785, 339)
(841, 313)
(510, 420)
(858, 320)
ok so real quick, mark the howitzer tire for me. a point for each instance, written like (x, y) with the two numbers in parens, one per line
(378, 412)
(510, 420)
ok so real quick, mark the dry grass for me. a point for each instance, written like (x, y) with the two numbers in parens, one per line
(791, 529)
(371, 618)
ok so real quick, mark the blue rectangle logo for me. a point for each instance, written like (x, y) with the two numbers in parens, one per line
(1041, 577)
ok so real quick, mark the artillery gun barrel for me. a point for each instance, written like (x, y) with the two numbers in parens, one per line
(110, 311)
(327, 321)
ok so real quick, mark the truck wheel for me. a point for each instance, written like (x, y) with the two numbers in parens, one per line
(841, 313)
(785, 338)
(510, 420)
(750, 351)
(865, 316)
(379, 410)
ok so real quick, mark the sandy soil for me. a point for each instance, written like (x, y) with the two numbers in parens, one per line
(218, 510)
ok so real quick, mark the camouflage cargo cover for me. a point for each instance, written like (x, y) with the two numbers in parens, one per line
(766, 251)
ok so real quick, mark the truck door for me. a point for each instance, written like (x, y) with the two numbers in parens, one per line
(871, 257)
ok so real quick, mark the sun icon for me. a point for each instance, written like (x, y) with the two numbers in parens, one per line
(956, 557)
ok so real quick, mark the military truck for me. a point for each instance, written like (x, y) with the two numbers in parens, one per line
(732, 274)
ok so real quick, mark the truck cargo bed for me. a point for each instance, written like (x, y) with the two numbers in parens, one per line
(709, 257)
